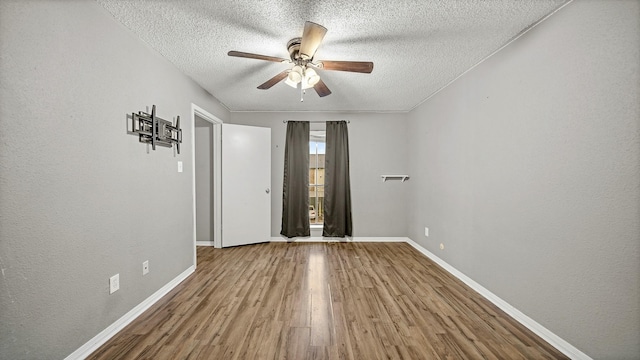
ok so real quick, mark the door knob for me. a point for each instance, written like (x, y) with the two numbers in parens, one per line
(267, 191)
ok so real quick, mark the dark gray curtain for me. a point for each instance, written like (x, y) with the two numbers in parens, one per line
(295, 187)
(337, 183)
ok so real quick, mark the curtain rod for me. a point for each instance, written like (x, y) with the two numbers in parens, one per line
(317, 121)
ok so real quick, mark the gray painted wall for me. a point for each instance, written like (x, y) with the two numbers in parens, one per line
(204, 178)
(527, 169)
(377, 145)
(80, 199)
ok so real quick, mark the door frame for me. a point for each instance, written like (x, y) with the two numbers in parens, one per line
(216, 148)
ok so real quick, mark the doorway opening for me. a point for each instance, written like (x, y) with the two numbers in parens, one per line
(207, 197)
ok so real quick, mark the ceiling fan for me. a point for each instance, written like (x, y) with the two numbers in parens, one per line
(301, 52)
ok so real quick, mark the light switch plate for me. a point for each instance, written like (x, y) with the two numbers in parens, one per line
(114, 283)
(179, 166)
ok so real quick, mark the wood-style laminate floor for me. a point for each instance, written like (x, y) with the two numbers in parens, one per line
(323, 301)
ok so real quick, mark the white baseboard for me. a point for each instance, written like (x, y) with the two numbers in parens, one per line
(106, 334)
(553, 339)
(204, 243)
(347, 239)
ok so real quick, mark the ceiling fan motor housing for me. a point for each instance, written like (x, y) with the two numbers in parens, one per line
(294, 49)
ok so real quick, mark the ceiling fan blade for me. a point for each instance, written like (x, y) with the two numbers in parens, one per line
(352, 66)
(322, 89)
(311, 39)
(274, 80)
(256, 56)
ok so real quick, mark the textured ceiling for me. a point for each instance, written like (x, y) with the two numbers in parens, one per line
(417, 46)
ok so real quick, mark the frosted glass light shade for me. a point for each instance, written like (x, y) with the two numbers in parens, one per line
(305, 84)
(311, 76)
(295, 75)
(290, 83)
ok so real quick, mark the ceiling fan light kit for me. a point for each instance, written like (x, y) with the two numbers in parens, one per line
(307, 77)
(301, 53)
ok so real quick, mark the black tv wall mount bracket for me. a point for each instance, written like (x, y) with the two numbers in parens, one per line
(156, 131)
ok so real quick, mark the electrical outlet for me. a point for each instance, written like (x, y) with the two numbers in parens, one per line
(114, 283)
(426, 231)
(145, 267)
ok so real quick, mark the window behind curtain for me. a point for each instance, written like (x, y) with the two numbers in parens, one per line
(316, 176)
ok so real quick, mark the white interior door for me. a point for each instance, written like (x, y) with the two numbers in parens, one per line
(246, 185)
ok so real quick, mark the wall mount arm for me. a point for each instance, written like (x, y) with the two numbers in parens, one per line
(156, 131)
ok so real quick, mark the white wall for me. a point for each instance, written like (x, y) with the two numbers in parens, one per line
(527, 170)
(80, 199)
(204, 177)
(377, 146)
